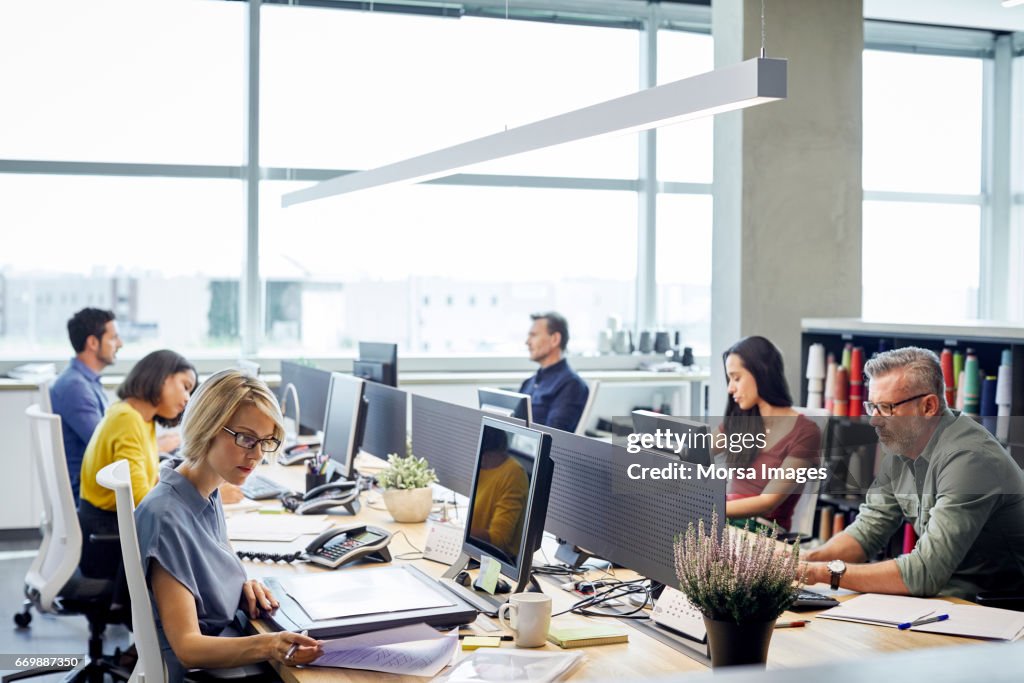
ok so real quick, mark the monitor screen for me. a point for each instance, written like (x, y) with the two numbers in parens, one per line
(311, 385)
(506, 403)
(378, 362)
(346, 410)
(510, 492)
(696, 446)
(385, 420)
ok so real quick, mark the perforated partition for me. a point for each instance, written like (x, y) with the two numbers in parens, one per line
(446, 435)
(385, 420)
(593, 504)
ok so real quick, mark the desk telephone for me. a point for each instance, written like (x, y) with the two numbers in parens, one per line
(336, 547)
(322, 498)
(301, 452)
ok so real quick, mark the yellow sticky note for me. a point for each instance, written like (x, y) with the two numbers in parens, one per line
(490, 569)
(473, 642)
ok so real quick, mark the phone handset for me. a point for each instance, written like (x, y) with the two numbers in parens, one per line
(336, 547)
(322, 498)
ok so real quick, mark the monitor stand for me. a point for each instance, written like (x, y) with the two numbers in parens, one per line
(572, 555)
(483, 601)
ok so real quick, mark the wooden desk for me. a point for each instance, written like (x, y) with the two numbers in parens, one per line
(820, 642)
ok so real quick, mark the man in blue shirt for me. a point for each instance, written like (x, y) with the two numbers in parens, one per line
(77, 395)
(558, 394)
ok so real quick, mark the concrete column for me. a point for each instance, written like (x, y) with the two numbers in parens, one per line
(787, 186)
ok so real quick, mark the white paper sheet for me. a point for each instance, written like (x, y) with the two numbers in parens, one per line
(975, 621)
(886, 610)
(347, 594)
(392, 651)
(281, 528)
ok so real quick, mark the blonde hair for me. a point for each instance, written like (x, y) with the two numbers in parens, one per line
(215, 403)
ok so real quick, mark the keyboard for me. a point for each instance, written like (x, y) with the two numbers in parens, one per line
(260, 488)
(809, 600)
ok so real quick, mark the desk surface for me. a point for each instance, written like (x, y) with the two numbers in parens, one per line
(820, 642)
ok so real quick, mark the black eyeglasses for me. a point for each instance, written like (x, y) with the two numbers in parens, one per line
(248, 441)
(885, 409)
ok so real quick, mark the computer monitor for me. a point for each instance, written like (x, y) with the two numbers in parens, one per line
(446, 435)
(507, 404)
(378, 362)
(345, 422)
(511, 483)
(385, 420)
(689, 441)
(310, 387)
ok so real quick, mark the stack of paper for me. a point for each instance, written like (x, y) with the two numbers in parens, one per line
(887, 610)
(416, 650)
(280, 528)
(975, 621)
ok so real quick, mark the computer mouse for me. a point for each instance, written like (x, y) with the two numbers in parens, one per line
(462, 579)
(503, 587)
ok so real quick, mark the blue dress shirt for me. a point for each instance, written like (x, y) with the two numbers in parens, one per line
(187, 535)
(78, 397)
(558, 396)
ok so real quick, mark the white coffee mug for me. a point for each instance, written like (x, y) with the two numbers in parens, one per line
(530, 618)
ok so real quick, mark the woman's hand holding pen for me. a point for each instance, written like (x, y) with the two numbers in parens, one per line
(292, 649)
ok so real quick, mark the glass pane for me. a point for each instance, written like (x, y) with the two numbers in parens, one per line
(345, 89)
(122, 80)
(684, 268)
(164, 254)
(922, 123)
(446, 270)
(685, 150)
(920, 261)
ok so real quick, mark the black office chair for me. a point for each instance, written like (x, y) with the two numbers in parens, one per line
(54, 584)
(1002, 600)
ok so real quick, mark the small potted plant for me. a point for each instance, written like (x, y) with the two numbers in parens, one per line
(741, 582)
(407, 492)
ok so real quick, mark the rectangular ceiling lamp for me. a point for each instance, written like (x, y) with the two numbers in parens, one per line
(733, 87)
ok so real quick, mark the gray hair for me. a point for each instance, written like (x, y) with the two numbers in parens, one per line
(921, 367)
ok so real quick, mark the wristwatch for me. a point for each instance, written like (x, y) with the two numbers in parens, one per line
(836, 568)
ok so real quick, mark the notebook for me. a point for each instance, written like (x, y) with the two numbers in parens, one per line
(886, 610)
(584, 635)
(975, 621)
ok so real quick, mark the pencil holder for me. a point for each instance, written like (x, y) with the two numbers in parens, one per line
(314, 480)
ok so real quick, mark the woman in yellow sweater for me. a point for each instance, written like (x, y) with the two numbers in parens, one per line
(155, 391)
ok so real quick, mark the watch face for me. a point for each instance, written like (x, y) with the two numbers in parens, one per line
(836, 566)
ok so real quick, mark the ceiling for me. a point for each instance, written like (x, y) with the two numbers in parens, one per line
(987, 14)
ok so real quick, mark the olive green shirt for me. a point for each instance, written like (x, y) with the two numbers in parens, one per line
(965, 497)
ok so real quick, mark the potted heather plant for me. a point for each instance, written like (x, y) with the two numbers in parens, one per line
(741, 583)
(407, 492)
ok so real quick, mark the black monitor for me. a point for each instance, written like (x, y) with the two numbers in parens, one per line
(511, 483)
(689, 438)
(310, 387)
(507, 404)
(378, 362)
(345, 422)
(385, 420)
(446, 435)
(596, 509)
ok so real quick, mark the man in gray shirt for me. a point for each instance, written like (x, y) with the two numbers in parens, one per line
(943, 473)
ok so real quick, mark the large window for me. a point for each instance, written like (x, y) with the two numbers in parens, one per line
(922, 181)
(122, 146)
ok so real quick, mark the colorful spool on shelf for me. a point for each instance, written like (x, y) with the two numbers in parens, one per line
(948, 378)
(830, 382)
(840, 402)
(856, 382)
(815, 375)
(972, 385)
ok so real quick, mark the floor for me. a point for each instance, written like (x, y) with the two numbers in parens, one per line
(48, 634)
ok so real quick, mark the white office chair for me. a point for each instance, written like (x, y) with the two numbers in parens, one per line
(806, 507)
(150, 667)
(53, 583)
(588, 407)
(43, 388)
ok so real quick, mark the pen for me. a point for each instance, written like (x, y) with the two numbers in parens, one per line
(294, 648)
(922, 622)
(503, 636)
(792, 624)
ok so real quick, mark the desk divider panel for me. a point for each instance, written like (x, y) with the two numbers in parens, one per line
(446, 435)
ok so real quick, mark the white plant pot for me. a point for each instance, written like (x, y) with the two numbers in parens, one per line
(409, 505)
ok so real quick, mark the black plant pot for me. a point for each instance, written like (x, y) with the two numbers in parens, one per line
(733, 644)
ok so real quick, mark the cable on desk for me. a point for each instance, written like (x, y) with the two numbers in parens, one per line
(612, 591)
(417, 555)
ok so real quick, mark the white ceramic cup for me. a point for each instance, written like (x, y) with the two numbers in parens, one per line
(530, 618)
